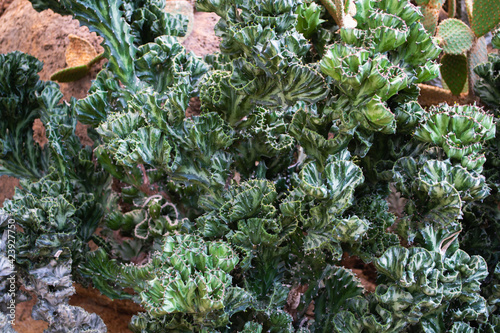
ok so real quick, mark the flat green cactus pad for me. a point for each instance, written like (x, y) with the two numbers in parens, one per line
(455, 36)
(75, 73)
(430, 19)
(485, 16)
(70, 74)
(454, 72)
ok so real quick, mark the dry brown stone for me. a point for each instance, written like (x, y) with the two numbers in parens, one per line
(45, 36)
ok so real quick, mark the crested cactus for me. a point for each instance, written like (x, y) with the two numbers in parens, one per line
(446, 173)
(364, 79)
(416, 287)
(495, 40)
(308, 18)
(58, 213)
(488, 85)
(19, 86)
(460, 131)
(188, 276)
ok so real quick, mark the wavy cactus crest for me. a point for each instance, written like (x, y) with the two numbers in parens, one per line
(386, 54)
(189, 276)
(419, 282)
(460, 131)
(308, 18)
(488, 86)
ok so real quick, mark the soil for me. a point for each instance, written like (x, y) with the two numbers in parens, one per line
(366, 273)
(202, 40)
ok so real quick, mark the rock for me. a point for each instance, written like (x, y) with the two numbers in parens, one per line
(7, 188)
(45, 36)
(3, 5)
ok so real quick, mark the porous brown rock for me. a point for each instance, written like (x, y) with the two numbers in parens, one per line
(45, 36)
(3, 5)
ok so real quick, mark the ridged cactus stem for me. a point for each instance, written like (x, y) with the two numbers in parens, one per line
(470, 71)
(452, 6)
(330, 7)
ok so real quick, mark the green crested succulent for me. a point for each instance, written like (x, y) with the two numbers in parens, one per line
(186, 284)
(331, 292)
(481, 218)
(488, 85)
(319, 199)
(260, 61)
(444, 175)
(420, 284)
(57, 226)
(20, 155)
(63, 195)
(188, 276)
(385, 55)
(377, 238)
(460, 132)
(308, 18)
(495, 39)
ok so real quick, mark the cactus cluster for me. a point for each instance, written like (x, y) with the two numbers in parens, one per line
(188, 275)
(459, 132)
(464, 46)
(237, 218)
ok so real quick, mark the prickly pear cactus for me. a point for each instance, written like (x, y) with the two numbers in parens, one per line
(485, 16)
(457, 38)
(454, 36)
(454, 72)
(430, 9)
